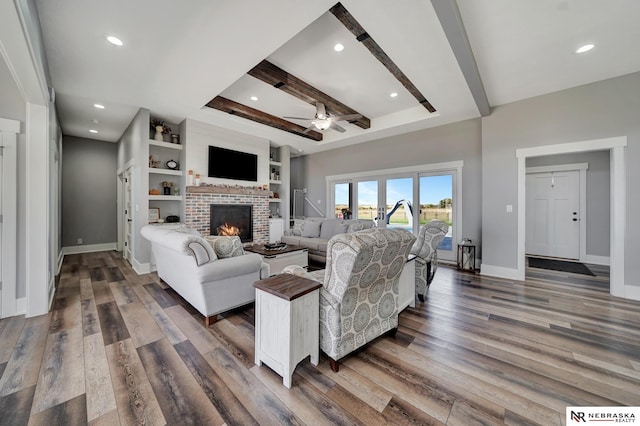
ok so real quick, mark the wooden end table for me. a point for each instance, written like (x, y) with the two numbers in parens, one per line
(287, 326)
(278, 259)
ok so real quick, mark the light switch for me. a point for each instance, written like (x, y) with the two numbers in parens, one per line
(509, 208)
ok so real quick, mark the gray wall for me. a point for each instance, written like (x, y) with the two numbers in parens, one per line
(598, 194)
(454, 142)
(89, 191)
(600, 110)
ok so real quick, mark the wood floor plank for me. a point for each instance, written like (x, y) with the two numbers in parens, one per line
(90, 320)
(62, 377)
(112, 325)
(123, 293)
(66, 313)
(102, 292)
(15, 408)
(168, 327)
(265, 407)
(181, 399)
(23, 366)
(72, 413)
(140, 324)
(195, 331)
(86, 290)
(12, 328)
(136, 402)
(113, 274)
(310, 406)
(109, 419)
(99, 390)
(229, 407)
(161, 296)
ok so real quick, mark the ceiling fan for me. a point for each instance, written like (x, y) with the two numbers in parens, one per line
(324, 121)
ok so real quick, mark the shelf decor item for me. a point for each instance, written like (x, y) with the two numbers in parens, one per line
(161, 129)
(172, 164)
(175, 138)
(154, 215)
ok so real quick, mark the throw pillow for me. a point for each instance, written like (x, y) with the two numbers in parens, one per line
(200, 253)
(297, 227)
(226, 246)
(310, 229)
(354, 227)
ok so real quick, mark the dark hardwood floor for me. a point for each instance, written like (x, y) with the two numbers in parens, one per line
(118, 348)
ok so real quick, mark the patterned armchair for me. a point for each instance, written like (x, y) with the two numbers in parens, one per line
(359, 297)
(425, 248)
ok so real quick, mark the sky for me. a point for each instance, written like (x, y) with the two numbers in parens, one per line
(432, 190)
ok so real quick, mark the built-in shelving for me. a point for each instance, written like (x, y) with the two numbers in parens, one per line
(161, 152)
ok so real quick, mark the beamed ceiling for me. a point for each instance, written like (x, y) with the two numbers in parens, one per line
(294, 86)
(246, 65)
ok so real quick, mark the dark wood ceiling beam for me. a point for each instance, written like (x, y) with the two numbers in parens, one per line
(280, 79)
(227, 105)
(362, 36)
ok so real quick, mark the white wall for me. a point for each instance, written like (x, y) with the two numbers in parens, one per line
(599, 110)
(200, 135)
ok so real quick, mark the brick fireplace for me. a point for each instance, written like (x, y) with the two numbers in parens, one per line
(199, 199)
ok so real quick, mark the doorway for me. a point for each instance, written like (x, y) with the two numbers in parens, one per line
(616, 146)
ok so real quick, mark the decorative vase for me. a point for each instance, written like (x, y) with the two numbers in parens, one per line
(158, 135)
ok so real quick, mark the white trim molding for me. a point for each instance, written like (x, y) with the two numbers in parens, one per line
(89, 248)
(616, 145)
(8, 268)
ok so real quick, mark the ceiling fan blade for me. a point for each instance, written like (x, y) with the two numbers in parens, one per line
(308, 129)
(321, 112)
(298, 118)
(334, 126)
(345, 117)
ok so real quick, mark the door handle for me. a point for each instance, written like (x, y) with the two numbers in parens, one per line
(575, 219)
(129, 220)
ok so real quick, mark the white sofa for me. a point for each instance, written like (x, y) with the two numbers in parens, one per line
(188, 263)
(314, 233)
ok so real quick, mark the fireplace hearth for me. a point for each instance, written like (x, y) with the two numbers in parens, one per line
(232, 219)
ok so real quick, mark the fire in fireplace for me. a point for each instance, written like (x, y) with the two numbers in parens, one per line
(232, 219)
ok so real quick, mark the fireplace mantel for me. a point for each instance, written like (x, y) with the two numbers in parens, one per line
(239, 190)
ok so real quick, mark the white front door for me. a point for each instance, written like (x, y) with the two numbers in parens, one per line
(552, 214)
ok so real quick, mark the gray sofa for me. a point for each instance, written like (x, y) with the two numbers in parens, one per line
(314, 233)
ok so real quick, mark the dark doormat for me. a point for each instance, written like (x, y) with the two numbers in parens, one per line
(560, 265)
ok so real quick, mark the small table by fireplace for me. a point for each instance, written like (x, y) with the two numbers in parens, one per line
(278, 259)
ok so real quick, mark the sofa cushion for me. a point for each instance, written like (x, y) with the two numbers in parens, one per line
(331, 227)
(355, 227)
(226, 247)
(290, 239)
(311, 229)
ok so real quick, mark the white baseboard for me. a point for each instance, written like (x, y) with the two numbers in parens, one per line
(500, 272)
(141, 268)
(632, 292)
(597, 260)
(21, 306)
(89, 248)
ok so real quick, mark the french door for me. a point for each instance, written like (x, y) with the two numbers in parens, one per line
(390, 201)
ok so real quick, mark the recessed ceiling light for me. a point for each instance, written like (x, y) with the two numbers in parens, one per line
(114, 40)
(585, 48)
(99, 106)
(93, 131)
(339, 47)
(254, 98)
(394, 94)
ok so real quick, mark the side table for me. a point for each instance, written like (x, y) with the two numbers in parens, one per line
(287, 326)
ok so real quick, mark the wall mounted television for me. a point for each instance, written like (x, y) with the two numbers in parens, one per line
(229, 164)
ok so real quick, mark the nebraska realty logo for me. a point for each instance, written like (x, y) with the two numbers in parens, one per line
(578, 415)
